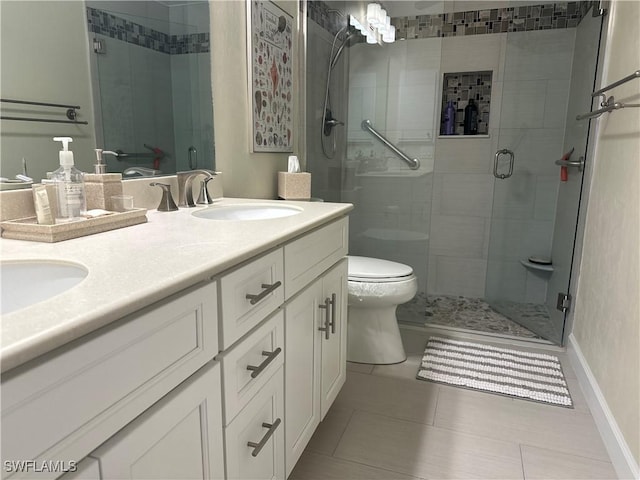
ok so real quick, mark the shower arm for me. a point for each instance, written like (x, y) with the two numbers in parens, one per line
(413, 163)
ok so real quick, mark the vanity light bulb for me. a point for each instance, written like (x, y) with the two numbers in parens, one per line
(382, 15)
(373, 13)
(390, 35)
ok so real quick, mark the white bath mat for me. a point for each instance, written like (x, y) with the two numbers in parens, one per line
(531, 376)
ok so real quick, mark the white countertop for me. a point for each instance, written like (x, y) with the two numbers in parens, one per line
(131, 268)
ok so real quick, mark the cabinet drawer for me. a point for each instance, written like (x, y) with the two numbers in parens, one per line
(254, 441)
(101, 382)
(180, 437)
(250, 294)
(308, 257)
(250, 364)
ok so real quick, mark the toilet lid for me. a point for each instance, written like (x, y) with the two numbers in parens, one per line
(366, 268)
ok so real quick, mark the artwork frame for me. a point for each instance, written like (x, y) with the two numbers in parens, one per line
(270, 76)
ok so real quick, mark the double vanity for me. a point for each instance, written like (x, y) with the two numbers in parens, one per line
(204, 343)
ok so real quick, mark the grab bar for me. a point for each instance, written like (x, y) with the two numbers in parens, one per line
(71, 112)
(610, 104)
(119, 154)
(413, 163)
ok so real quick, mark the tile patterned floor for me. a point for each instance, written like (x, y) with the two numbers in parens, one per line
(386, 425)
(468, 313)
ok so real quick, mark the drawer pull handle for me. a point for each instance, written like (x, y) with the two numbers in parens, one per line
(257, 447)
(327, 322)
(255, 371)
(267, 290)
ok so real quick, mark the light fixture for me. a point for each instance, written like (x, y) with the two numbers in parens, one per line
(376, 25)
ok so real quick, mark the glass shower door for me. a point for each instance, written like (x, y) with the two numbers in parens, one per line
(547, 81)
(395, 87)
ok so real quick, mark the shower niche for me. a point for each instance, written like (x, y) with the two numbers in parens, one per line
(465, 90)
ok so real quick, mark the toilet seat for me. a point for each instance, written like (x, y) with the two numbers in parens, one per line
(375, 270)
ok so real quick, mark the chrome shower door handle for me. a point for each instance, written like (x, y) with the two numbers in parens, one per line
(496, 159)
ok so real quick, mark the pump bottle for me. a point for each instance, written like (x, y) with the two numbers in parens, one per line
(69, 185)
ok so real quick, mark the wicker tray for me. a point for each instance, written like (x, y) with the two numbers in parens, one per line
(29, 229)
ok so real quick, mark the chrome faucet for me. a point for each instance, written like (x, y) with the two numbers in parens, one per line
(185, 181)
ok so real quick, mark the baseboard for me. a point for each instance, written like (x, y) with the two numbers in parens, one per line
(621, 457)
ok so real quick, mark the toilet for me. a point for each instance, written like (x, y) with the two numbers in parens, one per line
(376, 287)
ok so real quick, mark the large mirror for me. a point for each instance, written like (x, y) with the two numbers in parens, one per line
(140, 72)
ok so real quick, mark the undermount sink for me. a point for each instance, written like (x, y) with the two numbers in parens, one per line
(27, 282)
(248, 211)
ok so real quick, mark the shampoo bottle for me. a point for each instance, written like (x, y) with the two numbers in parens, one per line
(69, 186)
(471, 118)
(449, 127)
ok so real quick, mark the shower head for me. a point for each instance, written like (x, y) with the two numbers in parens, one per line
(345, 43)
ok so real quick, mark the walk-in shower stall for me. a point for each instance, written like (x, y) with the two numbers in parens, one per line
(487, 220)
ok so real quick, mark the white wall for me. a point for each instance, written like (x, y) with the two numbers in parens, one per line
(245, 174)
(607, 308)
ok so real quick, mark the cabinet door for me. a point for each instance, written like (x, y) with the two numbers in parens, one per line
(254, 441)
(334, 345)
(180, 437)
(87, 469)
(302, 372)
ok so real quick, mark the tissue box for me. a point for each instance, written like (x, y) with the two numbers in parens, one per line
(294, 186)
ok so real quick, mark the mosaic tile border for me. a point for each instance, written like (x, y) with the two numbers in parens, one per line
(110, 25)
(325, 16)
(497, 20)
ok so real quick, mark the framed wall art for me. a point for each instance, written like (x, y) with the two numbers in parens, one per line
(270, 40)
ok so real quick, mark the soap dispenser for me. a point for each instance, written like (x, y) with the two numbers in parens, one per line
(69, 183)
(100, 186)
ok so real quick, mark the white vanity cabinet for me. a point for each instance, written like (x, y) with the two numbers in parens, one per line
(62, 405)
(178, 438)
(269, 419)
(227, 379)
(316, 337)
(315, 330)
